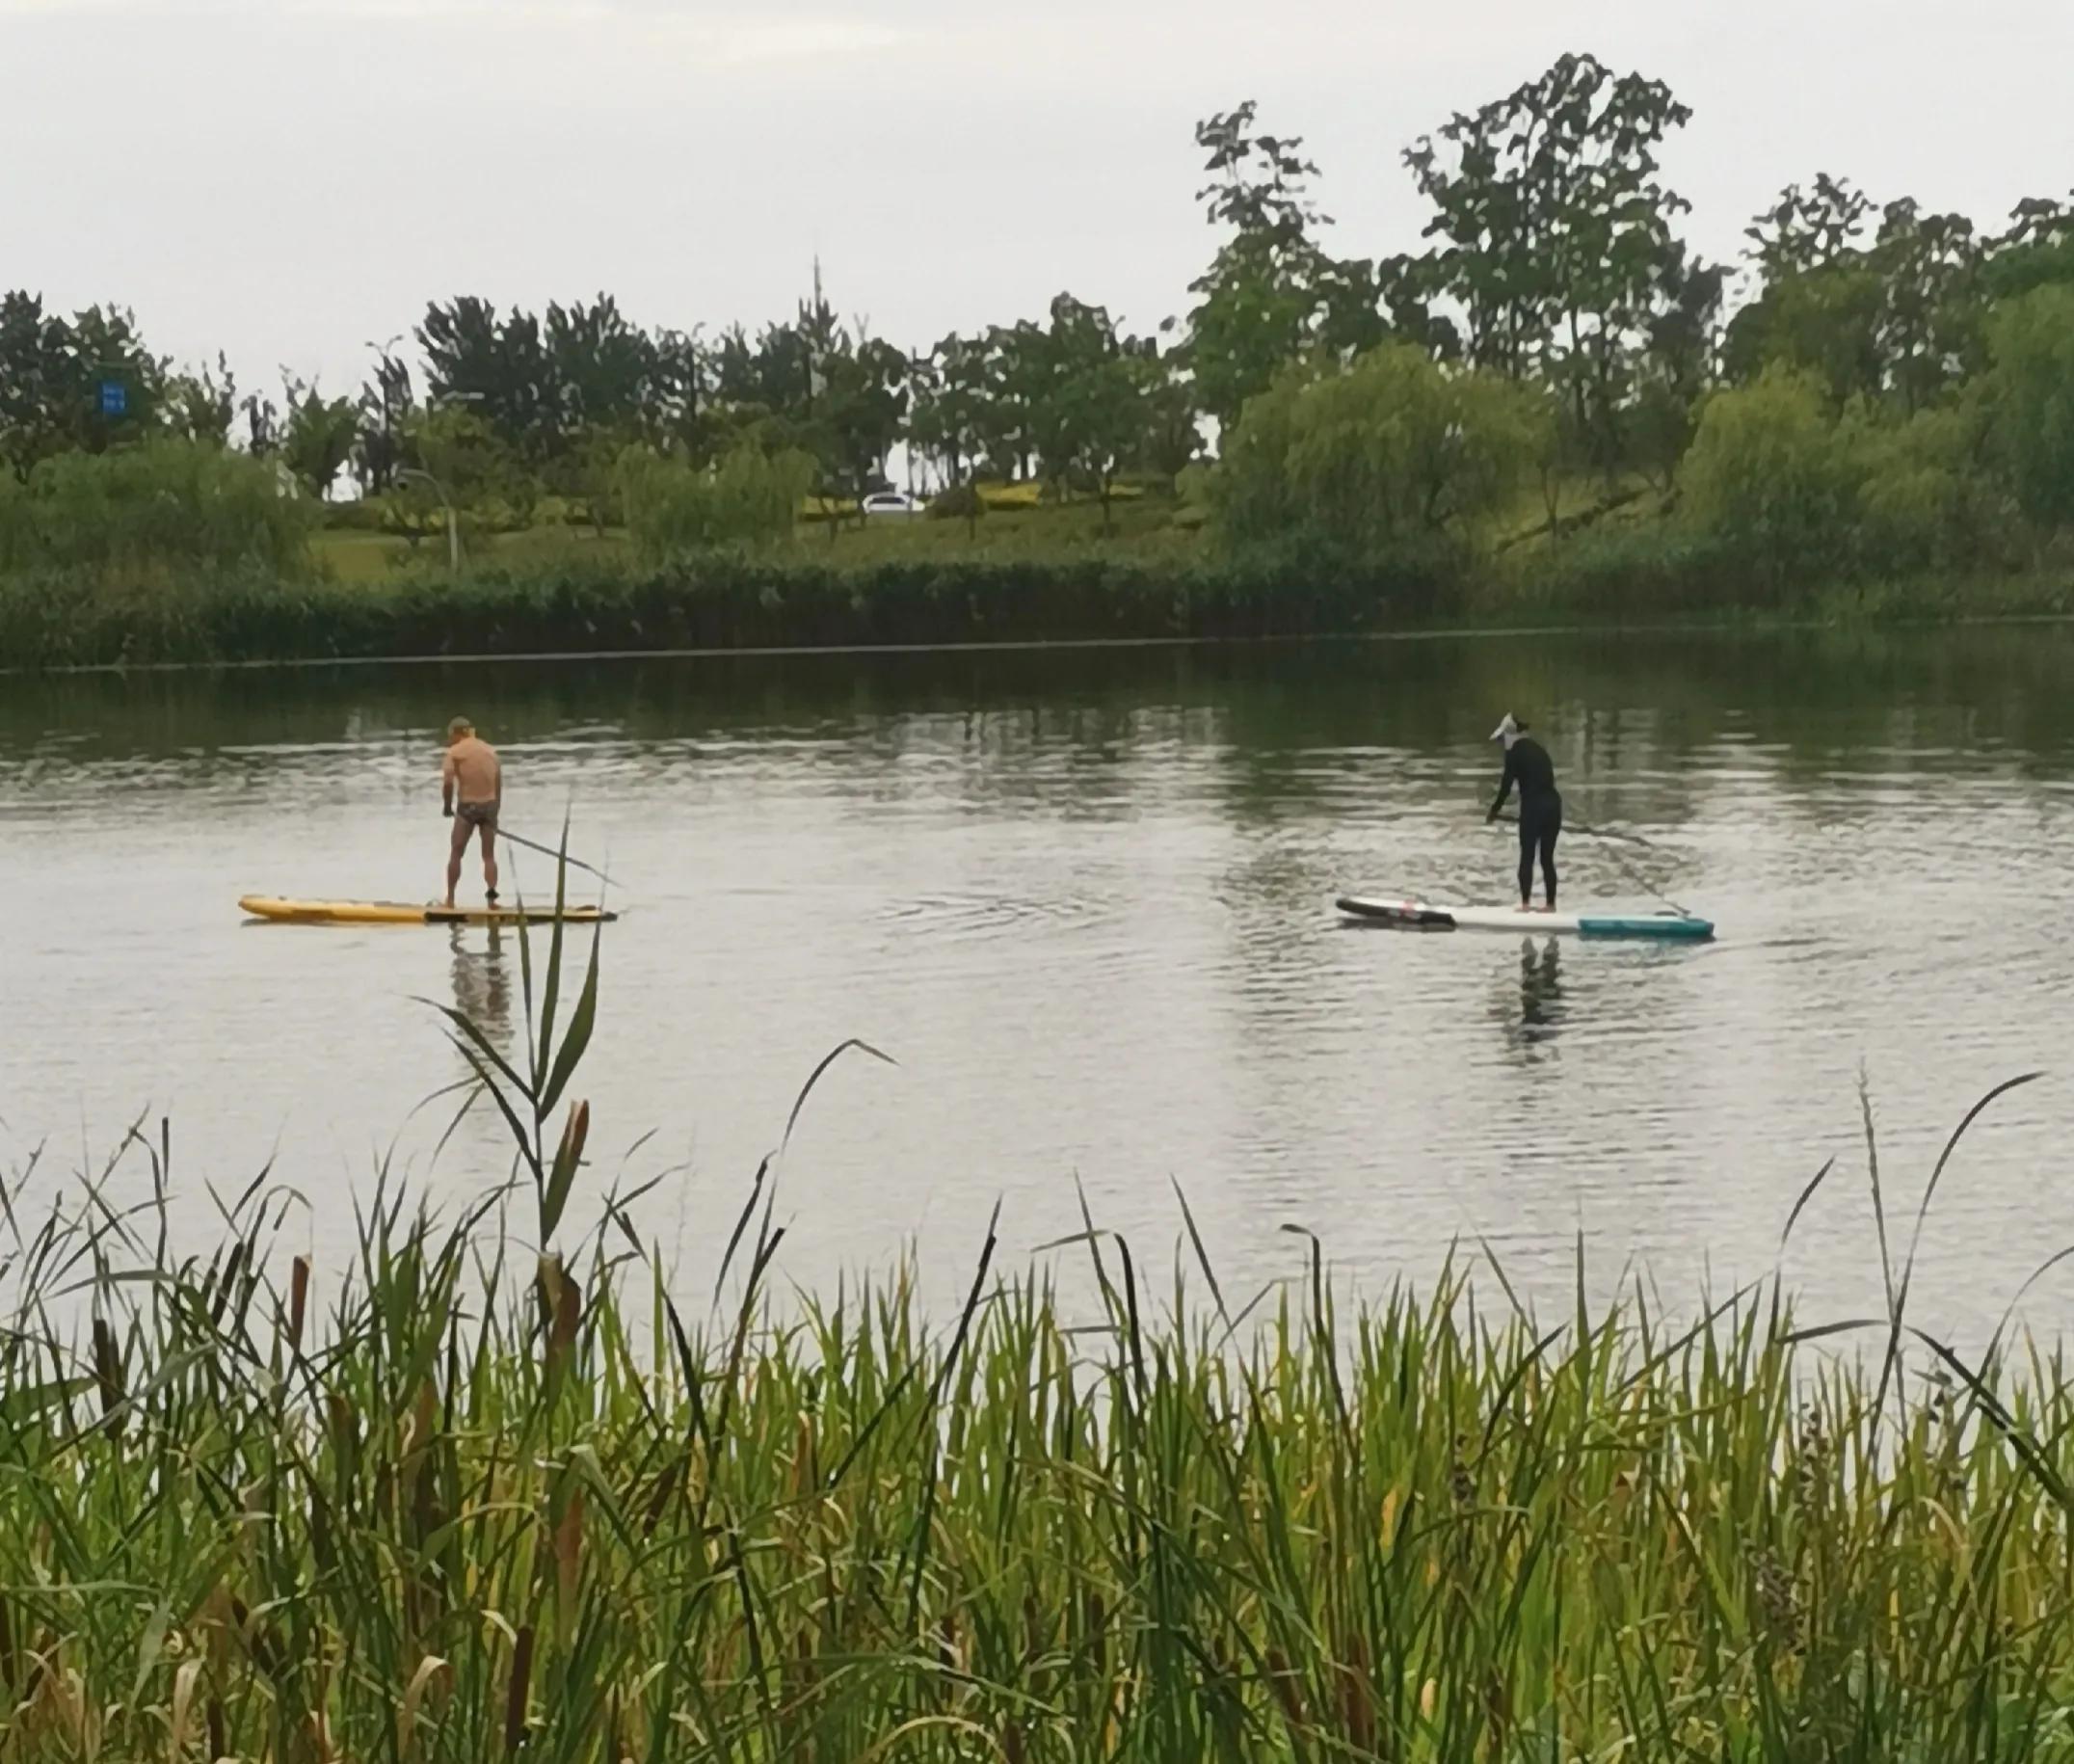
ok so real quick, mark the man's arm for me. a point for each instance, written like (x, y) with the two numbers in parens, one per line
(1505, 788)
(447, 771)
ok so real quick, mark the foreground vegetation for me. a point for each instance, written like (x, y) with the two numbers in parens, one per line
(1877, 412)
(484, 1491)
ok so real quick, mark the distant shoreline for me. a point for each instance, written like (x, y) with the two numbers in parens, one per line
(746, 607)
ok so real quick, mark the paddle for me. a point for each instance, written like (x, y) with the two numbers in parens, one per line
(1627, 869)
(1585, 827)
(548, 851)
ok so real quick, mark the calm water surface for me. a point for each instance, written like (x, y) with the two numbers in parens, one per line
(1084, 898)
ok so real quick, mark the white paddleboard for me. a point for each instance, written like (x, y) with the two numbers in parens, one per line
(1437, 916)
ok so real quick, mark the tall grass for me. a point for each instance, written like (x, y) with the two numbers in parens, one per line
(483, 1489)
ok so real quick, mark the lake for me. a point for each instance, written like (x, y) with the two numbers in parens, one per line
(1084, 898)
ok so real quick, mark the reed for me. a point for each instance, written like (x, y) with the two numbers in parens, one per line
(484, 1490)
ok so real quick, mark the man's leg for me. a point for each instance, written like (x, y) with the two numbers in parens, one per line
(455, 848)
(1527, 860)
(490, 859)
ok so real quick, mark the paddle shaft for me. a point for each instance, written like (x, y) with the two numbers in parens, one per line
(1585, 827)
(560, 857)
(1627, 869)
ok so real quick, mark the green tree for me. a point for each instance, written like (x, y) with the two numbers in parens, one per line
(1018, 370)
(387, 407)
(946, 423)
(1767, 481)
(52, 374)
(1676, 366)
(678, 508)
(860, 405)
(1093, 414)
(318, 435)
(1897, 313)
(1173, 437)
(1932, 322)
(1555, 233)
(1821, 323)
(1807, 230)
(2032, 339)
(2036, 251)
(673, 407)
(202, 406)
(164, 508)
(472, 469)
(501, 368)
(1258, 303)
(1395, 460)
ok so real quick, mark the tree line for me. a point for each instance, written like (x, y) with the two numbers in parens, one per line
(1862, 360)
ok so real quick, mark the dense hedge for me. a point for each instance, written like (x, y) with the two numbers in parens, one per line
(722, 603)
(727, 602)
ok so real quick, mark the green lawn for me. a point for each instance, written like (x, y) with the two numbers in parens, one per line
(1148, 526)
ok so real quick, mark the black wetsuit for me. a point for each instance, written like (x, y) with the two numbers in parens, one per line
(1527, 764)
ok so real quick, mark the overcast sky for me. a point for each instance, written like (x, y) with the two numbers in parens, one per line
(284, 179)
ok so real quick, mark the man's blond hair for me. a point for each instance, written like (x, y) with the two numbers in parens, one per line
(460, 726)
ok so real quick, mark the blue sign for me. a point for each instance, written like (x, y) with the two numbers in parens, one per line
(115, 398)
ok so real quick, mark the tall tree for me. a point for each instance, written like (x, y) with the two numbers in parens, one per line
(387, 404)
(1093, 414)
(2035, 250)
(84, 384)
(1676, 366)
(601, 368)
(202, 406)
(1886, 310)
(1017, 367)
(948, 423)
(1932, 329)
(317, 436)
(1556, 232)
(2034, 355)
(861, 401)
(1805, 230)
(500, 369)
(1257, 303)
(1173, 437)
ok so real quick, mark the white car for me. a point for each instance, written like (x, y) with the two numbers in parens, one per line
(891, 502)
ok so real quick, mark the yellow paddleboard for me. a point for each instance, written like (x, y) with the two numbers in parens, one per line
(397, 911)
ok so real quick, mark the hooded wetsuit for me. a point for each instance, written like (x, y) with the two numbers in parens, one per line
(1527, 764)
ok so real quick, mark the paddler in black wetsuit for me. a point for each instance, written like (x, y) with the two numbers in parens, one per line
(1527, 764)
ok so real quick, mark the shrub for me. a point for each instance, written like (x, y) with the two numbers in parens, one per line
(674, 508)
(169, 508)
(2032, 340)
(960, 502)
(1395, 460)
(1921, 501)
(1794, 496)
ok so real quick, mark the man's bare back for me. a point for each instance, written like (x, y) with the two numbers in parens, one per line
(472, 772)
(471, 790)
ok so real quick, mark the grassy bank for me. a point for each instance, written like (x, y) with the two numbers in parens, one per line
(719, 603)
(457, 1500)
(1026, 572)
(597, 600)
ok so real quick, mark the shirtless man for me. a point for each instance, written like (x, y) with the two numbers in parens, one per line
(471, 773)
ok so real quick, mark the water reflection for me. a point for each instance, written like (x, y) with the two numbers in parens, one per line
(483, 986)
(1541, 994)
(1085, 895)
